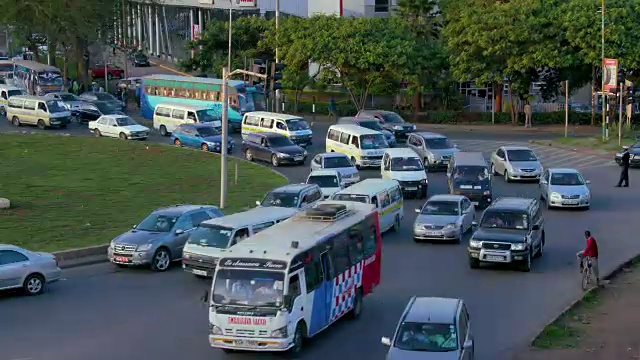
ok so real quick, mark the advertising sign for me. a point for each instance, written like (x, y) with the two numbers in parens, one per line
(195, 32)
(610, 74)
(246, 3)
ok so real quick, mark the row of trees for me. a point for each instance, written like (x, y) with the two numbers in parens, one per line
(427, 48)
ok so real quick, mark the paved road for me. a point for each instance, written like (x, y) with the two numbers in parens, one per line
(99, 312)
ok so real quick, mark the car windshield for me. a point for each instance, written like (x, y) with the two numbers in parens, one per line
(105, 97)
(371, 125)
(207, 131)
(211, 236)
(68, 97)
(567, 179)
(280, 142)
(140, 57)
(248, 287)
(297, 125)
(157, 223)
(636, 145)
(427, 337)
(352, 197)
(406, 164)
(324, 181)
(208, 115)
(56, 106)
(477, 173)
(392, 118)
(521, 155)
(445, 208)
(105, 108)
(337, 162)
(125, 121)
(11, 93)
(505, 220)
(281, 199)
(372, 141)
(438, 143)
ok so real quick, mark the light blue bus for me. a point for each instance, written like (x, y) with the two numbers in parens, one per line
(201, 92)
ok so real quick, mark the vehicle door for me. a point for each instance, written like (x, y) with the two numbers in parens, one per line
(385, 209)
(464, 335)
(544, 184)
(421, 149)
(265, 151)
(499, 160)
(191, 117)
(111, 127)
(13, 268)
(281, 127)
(190, 135)
(294, 292)
(30, 115)
(385, 166)
(5, 100)
(327, 273)
(468, 213)
(89, 112)
(177, 118)
(316, 163)
(180, 234)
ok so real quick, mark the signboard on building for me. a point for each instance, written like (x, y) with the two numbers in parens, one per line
(205, 2)
(195, 32)
(610, 75)
(246, 3)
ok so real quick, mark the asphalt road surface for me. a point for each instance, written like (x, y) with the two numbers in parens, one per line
(100, 312)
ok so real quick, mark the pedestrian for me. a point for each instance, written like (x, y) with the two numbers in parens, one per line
(138, 94)
(624, 174)
(332, 106)
(75, 87)
(527, 115)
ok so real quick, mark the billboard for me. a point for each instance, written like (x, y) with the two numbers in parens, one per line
(610, 75)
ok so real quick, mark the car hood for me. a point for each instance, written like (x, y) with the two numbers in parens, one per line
(138, 237)
(500, 235)
(409, 175)
(444, 152)
(397, 354)
(135, 128)
(289, 150)
(526, 164)
(217, 139)
(569, 190)
(346, 170)
(437, 220)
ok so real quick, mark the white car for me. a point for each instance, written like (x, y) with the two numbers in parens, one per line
(330, 181)
(120, 126)
(565, 188)
(516, 163)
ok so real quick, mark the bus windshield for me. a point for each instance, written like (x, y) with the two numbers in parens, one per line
(351, 197)
(249, 287)
(49, 78)
(211, 236)
(373, 141)
(297, 125)
(252, 101)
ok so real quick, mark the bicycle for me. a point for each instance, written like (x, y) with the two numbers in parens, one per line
(587, 274)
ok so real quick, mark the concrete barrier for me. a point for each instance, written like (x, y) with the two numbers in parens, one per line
(82, 256)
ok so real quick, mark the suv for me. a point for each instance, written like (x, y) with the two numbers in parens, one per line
(370, 123)
(511, 232)
(390, 121)
(468, 175)
(440, 326)
(300, 196)
(435, 150)
(159, 238)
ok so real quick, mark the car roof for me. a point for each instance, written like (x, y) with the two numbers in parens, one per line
(30, 97)
(401, 152)
(512, 203)
(324, 172)
(353, 129)
(464, 158)
(445, 197)
(181, 208)
(429, 135)
(273, 115)
(563, 170)
(293, 188)
(434, 310)
(333, 154)
(182, 106)
(516, 147)
(256, 215)
(197, 125)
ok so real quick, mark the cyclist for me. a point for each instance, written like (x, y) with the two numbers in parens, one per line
(590, 253)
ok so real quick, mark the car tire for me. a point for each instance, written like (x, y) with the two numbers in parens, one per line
(526, 263)
(353, 161)
(357, 306)
(506, 176)
(274, 161)
(298, 338)
(163, 130)
(396, 223)
(248, 155)
(97, 133)
(177, 142)
(161, 260)
(41, 124)
(16, 121)
(34, 284)
(122, 136)
(204, 147)
(540, 252)
(474, 263)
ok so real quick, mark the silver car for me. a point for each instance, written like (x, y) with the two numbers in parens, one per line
(71, 101)
(432, 329)
(340, 163)
(516, 163)
(29, 270)
(565, 188)
(160, 237)
(444, 217)
(434, 149)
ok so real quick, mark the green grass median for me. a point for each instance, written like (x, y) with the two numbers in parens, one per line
(69, 192)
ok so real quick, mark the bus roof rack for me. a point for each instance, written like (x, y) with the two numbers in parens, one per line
(326, 212)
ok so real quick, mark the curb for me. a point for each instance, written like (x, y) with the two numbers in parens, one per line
(612, 274)
(82, 256)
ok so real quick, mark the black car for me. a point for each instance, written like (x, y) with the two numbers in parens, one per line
(634, 151)
(103, 97)
(274, 148)
(390, 121)
(140, 59)
(90, 111)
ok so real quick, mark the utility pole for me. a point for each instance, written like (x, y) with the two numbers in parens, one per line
(225, 132)
(621, 92)
(229, 48)
(125, 24)
(566, 108)
(277, 52)
(106, 69)
(604, 96)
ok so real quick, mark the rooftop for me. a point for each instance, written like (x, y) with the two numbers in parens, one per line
(293, 188)
(232, 83)
(512, 203)
(429, 135)
(256, 215)
(433, 310)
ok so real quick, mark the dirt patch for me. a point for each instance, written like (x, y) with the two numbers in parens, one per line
(606, 326)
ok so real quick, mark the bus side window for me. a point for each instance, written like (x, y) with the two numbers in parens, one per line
(356, 246)
(386, 201)
(355, 142)
(396, 195)
(340, 253)
(281, 126)
(370, 241)
(4, 95)
(294, 286)
(313, 275)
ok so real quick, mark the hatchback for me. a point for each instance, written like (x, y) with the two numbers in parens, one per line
(200, 136)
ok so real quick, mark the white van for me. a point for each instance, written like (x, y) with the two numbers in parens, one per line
(405, 166)
(37, 110)
(363, 146)
(167, 117)
(203, 248)
(386, 195)
(7, 91)
(330, 181)
(294, 127)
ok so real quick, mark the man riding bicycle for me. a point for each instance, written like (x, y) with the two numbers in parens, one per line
(590, 253)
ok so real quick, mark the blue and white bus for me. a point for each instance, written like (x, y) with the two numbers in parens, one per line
(36, 78)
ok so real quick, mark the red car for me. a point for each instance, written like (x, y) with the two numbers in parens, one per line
(114, 72)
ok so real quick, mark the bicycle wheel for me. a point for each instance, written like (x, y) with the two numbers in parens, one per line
(586, 278)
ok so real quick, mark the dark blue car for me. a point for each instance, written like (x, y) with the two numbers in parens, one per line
(199, 136)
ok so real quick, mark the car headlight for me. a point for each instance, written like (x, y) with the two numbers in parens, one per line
(475, 244)
(432, 157)
(450, 226)
(397, 127)
(487, 192)
(280, 333)
(186, 255)
(214, 330)
(214, 144)
(112, 244)
(305, 153)
(283, 155)
(144, 247)
(555, 195)
(519, 246)
(515, 169)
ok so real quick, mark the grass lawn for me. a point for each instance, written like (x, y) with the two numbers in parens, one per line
(70, 192)
(595, 142)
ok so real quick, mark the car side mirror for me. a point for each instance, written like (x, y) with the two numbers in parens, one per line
(475, 224)
(417, 211)
(468, 344)
(205, 298)
(385, 341)
(587, 182)
(535, 227)
(179, 232)
(258, 202)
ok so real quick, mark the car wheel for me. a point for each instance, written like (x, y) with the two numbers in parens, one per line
(41, 125)
(274, 161)
(177, 142)
(474, 263)
(396, 223)
(123, 136)
(354, 162)
(161, 260)
(204, 147)
(298, 338)
(506, 176)
(15, 121)
(357, 306)
(526, 263)
(248, 155)
(33, 284)
(541, 249)
(97, 133)
(163, 130)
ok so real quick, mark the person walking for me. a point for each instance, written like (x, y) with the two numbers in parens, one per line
(624, 174)
(527, 115)
(332, 106)
(75, 87)
(138, 95)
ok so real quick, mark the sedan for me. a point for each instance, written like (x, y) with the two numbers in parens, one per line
(90, 111)
(338, 162)
(71, 101)
(200, 136)
(119, 126)
(565, 188)
(112, 72)
(444, 217)
(29, 270)
(516, 163)
(275, 148)
(105, 97)
(634, 151)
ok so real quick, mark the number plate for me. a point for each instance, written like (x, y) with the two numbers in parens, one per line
(200, 272)
(411, 188)
(495, 258)
(570, 202)
(432, 233)
(299, 158)
(245, 342)
(122, 259)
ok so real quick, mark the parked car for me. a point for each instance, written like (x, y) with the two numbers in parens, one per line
(444, 217)
(434, 149)
(72, 102)
(91, 111)
(140, 59)
(275, 148)
(390, 121)
(105, 97)
(565, 188)
(200, 136)
(160, 237)
(119, 126)
(113, 72)
(516, 163)
(634, 152)
(29, 270)
(338, 162)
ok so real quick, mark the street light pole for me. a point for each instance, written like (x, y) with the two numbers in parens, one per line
(125, 25)
(277, 51)
(229, 49)
(225, 130)
(604, 96)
